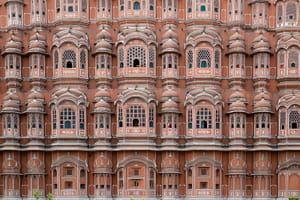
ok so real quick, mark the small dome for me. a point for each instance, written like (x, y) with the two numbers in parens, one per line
(104, 34)
(102, 106)
(170, 45)
(11, 103)
(237, 95)
(262, 106)
(262, 95)
(236, 43)
(169, 106)
(237, 106)
(35, 95)
(13, 45)
(169, 93)
(102, 94)
(261, 44)
(35, 106)
(103, 46)
(37, 43)
(170, 34)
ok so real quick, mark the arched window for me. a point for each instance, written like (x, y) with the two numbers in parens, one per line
(217, 59)
(291, 12)
(203, 118)
(293, 57)
(56, 59)
(69, 59)
(54, 119)
(81, 119)
(190, 58)
(121, 58)
(82, 59)
(57, 6)
(67, 118)
(135, 116)
(294, 119)
(151, 57)
(279, 14)
(203, 58)
(136, 57)
(136, 5)
(151, 117)
(190, 119)
(120, 117)
(189, 6)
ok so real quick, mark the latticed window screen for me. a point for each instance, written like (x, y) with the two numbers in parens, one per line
(217, 58)
(151, 117)
(84, 5)
(216, 5)
(189, 6)
(190, 58)
(121, 58)
(151, 57)
(67, 118)
(136, 57)
(294, 120)
(135, 116)
(54, 119)
(40, 121)
(291, 12)
(218, 120)
(81, 119)
(281, 58)
(82, 59)
(190, 119)
(203, 118)
(293, 59)
(120, 117)
(279, 13)
(56, 59)
(69, 59)
(203, 58)
(282, 120)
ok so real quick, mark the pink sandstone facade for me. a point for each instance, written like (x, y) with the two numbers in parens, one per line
(150, 99)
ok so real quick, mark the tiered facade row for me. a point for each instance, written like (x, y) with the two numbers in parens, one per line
(150, 99)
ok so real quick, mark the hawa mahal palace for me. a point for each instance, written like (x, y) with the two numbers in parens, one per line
(150, 99)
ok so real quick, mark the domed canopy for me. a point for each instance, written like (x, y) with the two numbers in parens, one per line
(35, 106)
(237, 95)
(102, 107)
(169, 106)
(13, 45)
(237, 107)
(103, 41)
(11, 103)
(261, 45)
(35, 103)
(170, 45)
(262, 106)
(236, 43)
(170, 33)
(37, 43)
(102, 93)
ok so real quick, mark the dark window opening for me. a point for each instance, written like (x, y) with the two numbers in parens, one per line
(136, 6)
(203, 124)
(69, 64)
(136, 63)
(135, 122)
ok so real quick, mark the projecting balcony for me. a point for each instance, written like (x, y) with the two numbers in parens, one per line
(288, 193)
